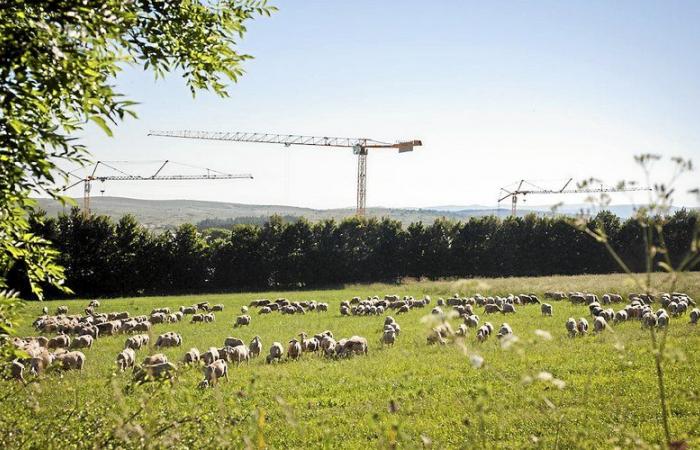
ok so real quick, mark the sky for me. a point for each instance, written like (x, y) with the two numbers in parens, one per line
(497, 92)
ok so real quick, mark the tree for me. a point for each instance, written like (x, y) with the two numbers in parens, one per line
(57, 63)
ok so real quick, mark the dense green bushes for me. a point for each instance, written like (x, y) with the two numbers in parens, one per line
(104, 258)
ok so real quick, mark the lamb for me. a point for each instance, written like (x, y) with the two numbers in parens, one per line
(71, 360)
(242, 321)
(694, 316)
(504, 331)
(294, 349)
(571, 327)
(214, 371)
(60, 341)
(192, 356)
(461, 330)
(84, 341)
(159, 371)
(276, 352)
(599, 324)
(582, 326)
(125, 359)
(156, 359)
(210, 355)
(546, 309)
(255, 347)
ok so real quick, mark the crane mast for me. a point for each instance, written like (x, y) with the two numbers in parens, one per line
(519, 191)
(360, 147)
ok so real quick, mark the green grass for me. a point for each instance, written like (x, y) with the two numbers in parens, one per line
(610, 397)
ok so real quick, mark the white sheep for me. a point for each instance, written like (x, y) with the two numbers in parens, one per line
(243, 320)
(546, 309)
(192, 356)
(71, 360)
(620, 316)
(389, 336)
(571, 327)
(239, 354)
(294, 349)
(582, 326)
(210, 355)
(255, 347)
(694, 316)
(505, 330)
(153, 360)
(125, 359)
(214, 371)
(157, 371)
(275, 353)
(599, 324)
(84, 341)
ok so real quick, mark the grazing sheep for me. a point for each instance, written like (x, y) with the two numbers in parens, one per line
(599, 324)
(255, 347)
(145, 373)
(491, 308)
(508, 308)
(620, 316)
(60, 341)
(192, 356)
(17, 371)
(136, 342)
(125, 359)
(694, 316)
(546, 309)
(197, 318)
(210, 355)
(169, 339)
(294, 349)
(61, 310)
(209, 317)
(232, 342)
(504, 331)
(461, 330)
(571, 327)
(219, 307)
(435, 337)
(355, 345)
(268, 310)
(582, 326)
(472, 321)
(214, 371)
(276, 352)
(389, 336)
(40, 362)
(239, 354)
(188, 310)
(308, 345)
(242, 321)
(84, 341)
(649, 320)
(153, 360)
(71, 360)
(663, 320)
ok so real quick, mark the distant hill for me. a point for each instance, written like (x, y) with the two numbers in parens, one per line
(166, 214)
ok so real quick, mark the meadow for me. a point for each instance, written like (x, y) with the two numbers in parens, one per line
(544, 390)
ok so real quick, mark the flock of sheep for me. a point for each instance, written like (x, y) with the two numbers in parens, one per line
(76, 332)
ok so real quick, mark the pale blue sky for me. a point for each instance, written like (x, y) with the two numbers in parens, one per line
(497, 91)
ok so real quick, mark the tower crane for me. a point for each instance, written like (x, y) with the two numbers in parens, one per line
(360, 147)
(563, 190)
(89, 179)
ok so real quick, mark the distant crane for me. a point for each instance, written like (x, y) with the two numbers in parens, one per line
(360, 147)
(87, 180)
(520, 191)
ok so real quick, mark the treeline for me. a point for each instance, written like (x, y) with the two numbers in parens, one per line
(104, 258)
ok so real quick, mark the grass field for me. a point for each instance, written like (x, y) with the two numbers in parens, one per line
(411, 395)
